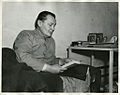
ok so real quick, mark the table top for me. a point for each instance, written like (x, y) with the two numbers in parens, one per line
(94, 48)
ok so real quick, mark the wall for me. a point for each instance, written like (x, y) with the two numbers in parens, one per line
(74, 21)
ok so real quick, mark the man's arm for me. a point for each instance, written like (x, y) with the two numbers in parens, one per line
(23, 48)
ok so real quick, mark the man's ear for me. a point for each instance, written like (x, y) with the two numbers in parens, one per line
(39, 23)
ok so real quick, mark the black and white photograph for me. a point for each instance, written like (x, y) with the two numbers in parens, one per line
(60, 47)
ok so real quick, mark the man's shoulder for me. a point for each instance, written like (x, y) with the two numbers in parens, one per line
(31, 34)
(27, 32)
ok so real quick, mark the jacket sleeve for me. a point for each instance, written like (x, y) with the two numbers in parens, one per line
(23, 50)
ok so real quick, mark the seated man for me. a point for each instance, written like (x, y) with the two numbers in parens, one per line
(36, 48)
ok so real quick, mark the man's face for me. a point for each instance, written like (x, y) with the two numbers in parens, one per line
(48, 26)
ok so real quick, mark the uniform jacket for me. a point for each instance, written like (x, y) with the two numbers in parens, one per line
(35, 49)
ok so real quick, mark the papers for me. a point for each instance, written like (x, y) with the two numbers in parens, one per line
(71, 64)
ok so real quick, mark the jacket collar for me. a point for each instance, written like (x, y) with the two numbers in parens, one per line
(41, 33)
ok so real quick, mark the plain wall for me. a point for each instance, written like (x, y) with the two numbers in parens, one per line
(74, 21)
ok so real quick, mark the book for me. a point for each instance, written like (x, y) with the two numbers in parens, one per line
(71, 64)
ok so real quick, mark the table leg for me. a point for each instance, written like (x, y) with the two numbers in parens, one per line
(92, 59)
(68, 52)
(111, 55)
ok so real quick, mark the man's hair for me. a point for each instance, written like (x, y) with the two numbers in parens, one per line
(43, 16)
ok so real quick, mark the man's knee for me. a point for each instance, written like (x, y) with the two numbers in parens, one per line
(53, 81)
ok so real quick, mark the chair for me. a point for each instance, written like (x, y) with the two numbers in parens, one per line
(18, 77)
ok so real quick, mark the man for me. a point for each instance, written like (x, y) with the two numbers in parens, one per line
(36, 48)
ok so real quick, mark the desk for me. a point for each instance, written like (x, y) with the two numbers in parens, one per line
(111, 59)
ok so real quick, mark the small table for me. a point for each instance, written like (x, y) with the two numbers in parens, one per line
(111, 59)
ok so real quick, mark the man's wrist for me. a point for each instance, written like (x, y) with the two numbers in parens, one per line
(44, 67)
(47, 68)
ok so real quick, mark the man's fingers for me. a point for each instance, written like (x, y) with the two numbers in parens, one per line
(68, 60)
(63, 69)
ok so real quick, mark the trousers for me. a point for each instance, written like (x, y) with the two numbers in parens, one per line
(80, 72)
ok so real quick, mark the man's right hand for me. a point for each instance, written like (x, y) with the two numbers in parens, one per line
(54, 69)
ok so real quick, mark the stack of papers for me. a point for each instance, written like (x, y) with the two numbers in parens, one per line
(71, 64)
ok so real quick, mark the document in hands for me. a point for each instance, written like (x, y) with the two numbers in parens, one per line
(71, 64)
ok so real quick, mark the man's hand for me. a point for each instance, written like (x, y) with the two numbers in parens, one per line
(64, 61)
(55, 69)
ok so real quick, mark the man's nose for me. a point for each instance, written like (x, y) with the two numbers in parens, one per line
(52, 28)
